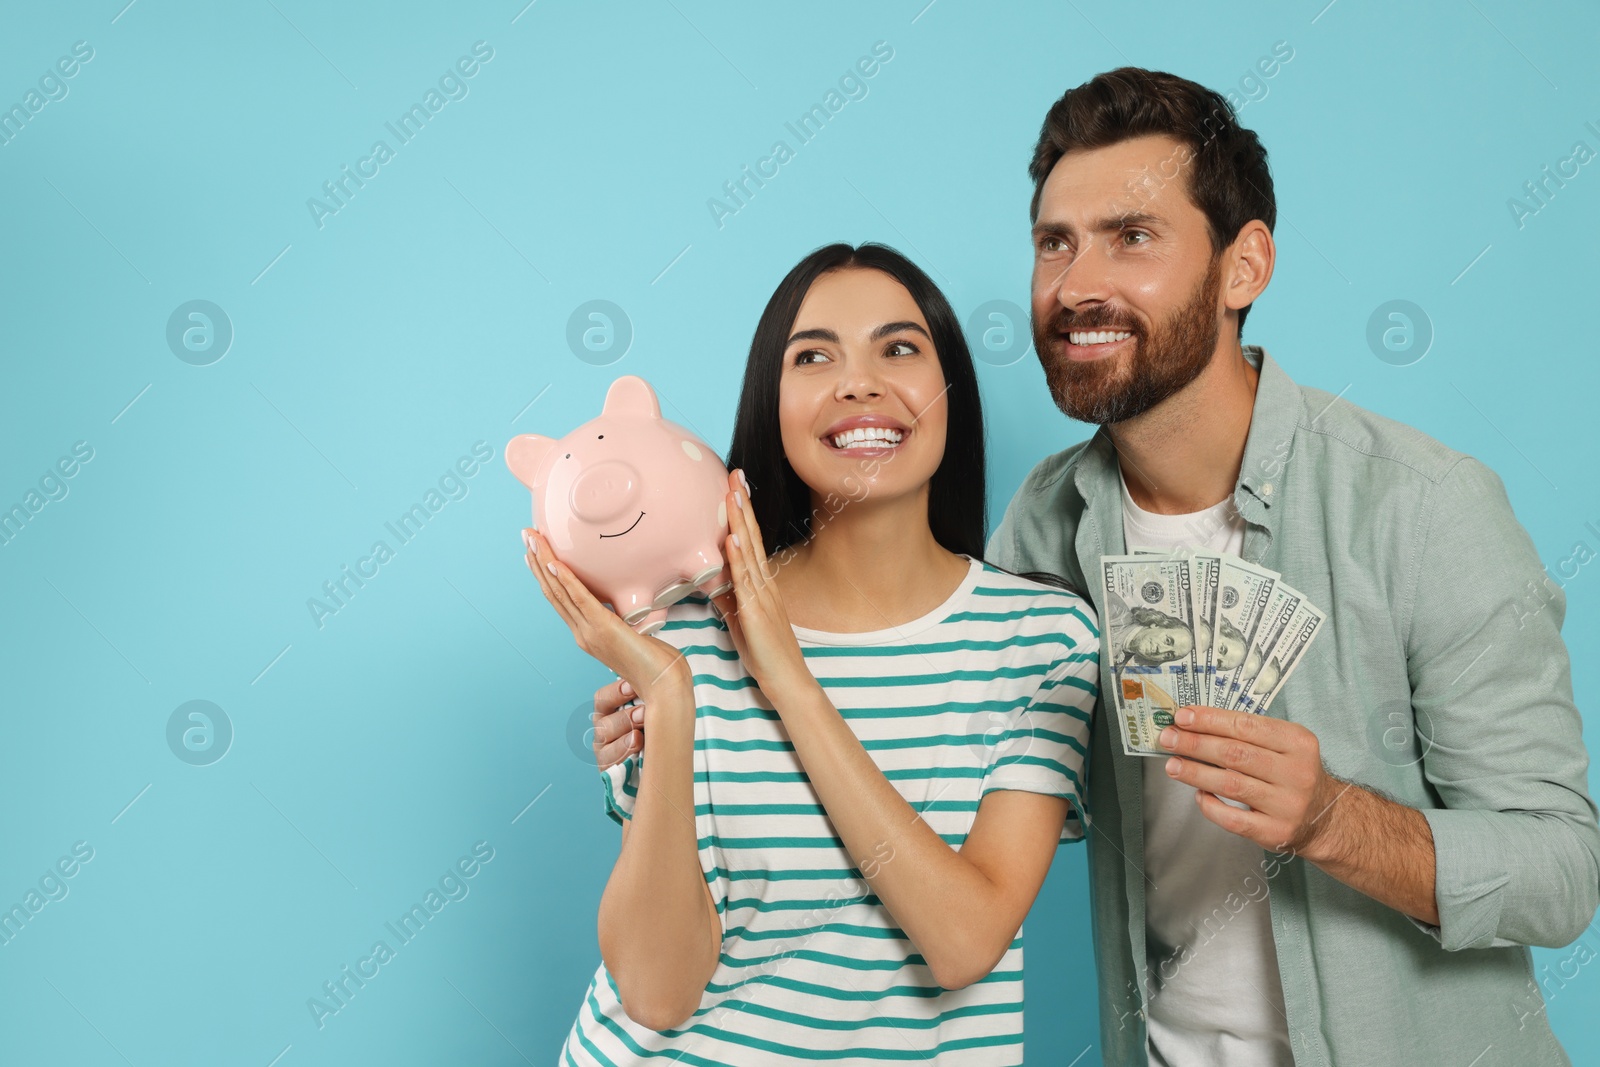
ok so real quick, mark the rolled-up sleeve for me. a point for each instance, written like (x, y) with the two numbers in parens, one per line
(621, 784)
(1044, 747)
(1517, 848)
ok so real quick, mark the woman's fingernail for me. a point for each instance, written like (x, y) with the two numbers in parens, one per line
(638, 714)
(745, 480)
(627, 690)
(738, 499)
(551, 567)
(736, 543)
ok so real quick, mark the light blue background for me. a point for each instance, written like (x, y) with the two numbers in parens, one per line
(369, 354)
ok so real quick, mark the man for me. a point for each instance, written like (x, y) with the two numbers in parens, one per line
(1354, 877)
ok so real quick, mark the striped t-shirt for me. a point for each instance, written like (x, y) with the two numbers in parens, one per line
(991, 690)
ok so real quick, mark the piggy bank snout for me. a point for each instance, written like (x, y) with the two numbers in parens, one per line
(605, 491)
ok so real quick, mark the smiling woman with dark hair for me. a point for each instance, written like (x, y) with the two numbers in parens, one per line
(863, 757)
(760, 443)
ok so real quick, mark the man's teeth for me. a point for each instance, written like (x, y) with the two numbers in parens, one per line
(1097, 337)
(867, 433)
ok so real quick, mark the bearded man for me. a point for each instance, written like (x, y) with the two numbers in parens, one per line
(1354, 878)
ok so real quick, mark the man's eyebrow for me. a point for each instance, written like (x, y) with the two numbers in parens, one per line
(1100, 225)
(824, 334)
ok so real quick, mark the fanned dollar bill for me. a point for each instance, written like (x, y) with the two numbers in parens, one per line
(1207, 570)
(1148, 623)
(1187, 627)
(1285, 656)
(1282, 603)
(1244, 597)
(1204, 570)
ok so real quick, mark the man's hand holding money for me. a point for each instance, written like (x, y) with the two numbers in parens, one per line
(1367, 841)
(1272, 765)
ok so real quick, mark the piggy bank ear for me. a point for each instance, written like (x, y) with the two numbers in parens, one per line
(631, 395)
(524, 454)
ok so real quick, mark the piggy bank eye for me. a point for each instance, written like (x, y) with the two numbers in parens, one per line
(602, 437)
(567, 456)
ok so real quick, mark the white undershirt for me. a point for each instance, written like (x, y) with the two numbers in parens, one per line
(1216, 997)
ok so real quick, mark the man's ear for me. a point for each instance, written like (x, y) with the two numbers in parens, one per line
(525, 453)
(1247, 265)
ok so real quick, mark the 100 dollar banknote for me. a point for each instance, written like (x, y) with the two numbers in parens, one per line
(1191, 627)
(1283, 659)
(1152, 650)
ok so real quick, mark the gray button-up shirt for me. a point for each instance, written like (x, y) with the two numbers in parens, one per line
(1440, 679)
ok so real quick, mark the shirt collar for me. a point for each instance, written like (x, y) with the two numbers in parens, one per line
(1273, 420)
(1096, 466)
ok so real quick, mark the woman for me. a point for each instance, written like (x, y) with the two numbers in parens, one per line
(862, 757)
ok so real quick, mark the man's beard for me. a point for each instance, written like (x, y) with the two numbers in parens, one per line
(1112, 390)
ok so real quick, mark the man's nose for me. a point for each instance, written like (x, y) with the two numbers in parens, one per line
(1084, 280)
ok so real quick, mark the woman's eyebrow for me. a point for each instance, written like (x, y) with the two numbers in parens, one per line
(823, 334)
(895, 327)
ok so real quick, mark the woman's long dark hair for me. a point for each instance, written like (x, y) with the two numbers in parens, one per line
(957, 505)
(782, 501)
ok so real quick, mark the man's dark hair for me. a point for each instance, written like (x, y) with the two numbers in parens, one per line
(1228, 178)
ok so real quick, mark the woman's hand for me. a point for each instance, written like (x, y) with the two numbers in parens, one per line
(753, 610)
(618, 724)
(641, 660)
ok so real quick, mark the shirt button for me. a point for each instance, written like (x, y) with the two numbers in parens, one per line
(1266, 490)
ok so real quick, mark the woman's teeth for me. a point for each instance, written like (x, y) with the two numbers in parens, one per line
(875, 434)
(1097, 337)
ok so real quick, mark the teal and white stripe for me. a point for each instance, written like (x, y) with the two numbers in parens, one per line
(992, 690)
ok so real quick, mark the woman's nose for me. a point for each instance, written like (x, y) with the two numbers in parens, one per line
(859, 383)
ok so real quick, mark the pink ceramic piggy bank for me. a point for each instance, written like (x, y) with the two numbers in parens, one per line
(634, 504)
